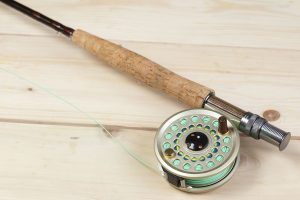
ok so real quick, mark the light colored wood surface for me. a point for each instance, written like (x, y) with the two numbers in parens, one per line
(249, 52)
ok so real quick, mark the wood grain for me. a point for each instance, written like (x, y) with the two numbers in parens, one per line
(250, 78)
(63, 162)
(239, 23)
(249, 52)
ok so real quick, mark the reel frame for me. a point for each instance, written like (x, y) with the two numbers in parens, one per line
(217, 158)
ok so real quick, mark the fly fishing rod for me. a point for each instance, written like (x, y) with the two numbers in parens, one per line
(207, 135)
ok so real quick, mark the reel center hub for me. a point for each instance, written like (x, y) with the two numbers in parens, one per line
(196, 141)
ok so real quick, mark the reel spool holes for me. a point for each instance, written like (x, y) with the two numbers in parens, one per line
(198, 150)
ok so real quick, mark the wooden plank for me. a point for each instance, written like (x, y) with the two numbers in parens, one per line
(263, 24)
(249, 52)
(63, 162)
(254, 79)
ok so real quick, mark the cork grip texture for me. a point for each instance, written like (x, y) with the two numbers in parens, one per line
(143, 69)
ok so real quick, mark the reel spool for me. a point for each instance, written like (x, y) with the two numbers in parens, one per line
(198, 150)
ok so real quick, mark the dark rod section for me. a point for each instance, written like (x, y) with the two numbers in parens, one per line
(67, 31)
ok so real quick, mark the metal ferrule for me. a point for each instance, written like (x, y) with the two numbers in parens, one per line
(251, 124)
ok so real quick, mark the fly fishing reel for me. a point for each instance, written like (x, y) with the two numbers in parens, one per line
(198, 150)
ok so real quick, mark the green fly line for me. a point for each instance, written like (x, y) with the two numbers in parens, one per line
(211, 179)
(197, 183)
(85, 114)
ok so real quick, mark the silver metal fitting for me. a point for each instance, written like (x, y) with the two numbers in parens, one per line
(249, 123)
(258, 128)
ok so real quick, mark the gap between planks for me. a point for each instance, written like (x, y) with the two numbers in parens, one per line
(149, 42)
(110, 127)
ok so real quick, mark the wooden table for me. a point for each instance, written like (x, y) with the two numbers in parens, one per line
(248, 51)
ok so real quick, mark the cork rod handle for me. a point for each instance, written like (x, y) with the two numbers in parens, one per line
(143, 69)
